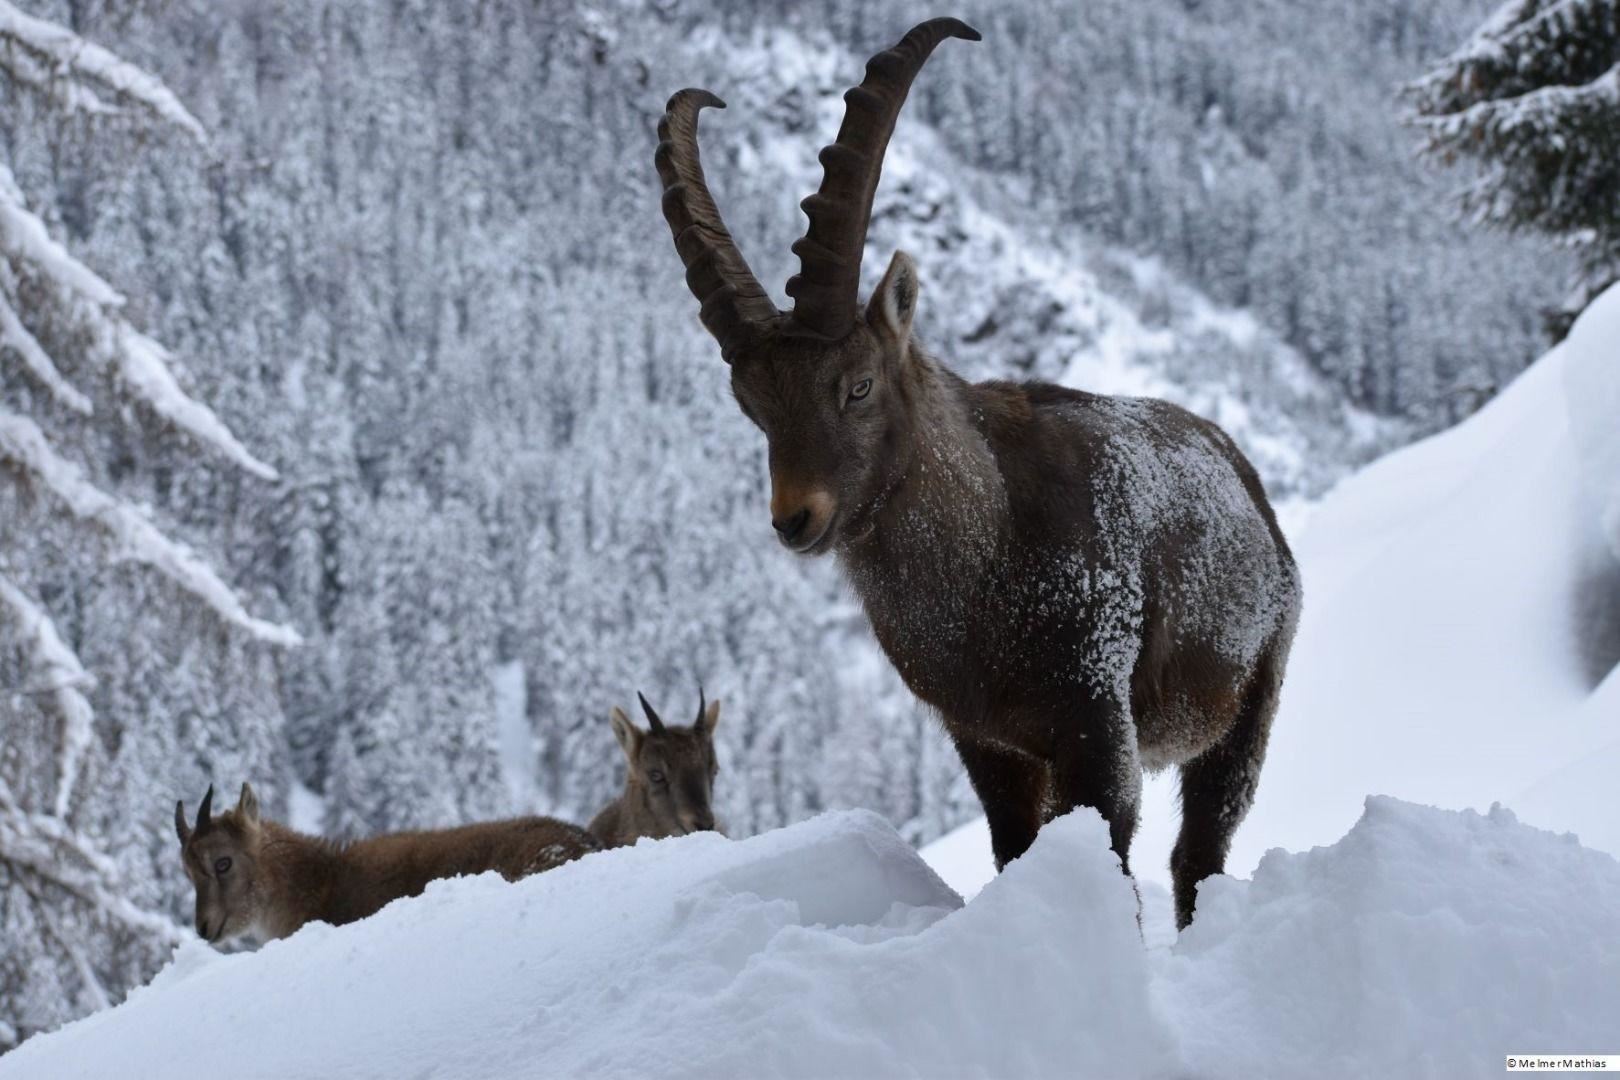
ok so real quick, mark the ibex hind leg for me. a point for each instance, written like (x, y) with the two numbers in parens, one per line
(1218, 786)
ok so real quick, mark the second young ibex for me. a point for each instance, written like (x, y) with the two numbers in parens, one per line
(257, 878)
(668, 779)
(1083, 586)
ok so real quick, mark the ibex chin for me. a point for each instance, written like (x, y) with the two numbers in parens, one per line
(1082, 586)
(668, 778)
(255, 877)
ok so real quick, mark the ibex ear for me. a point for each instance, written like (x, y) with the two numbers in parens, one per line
(181, 829)
(625, 730)
(247, 806)
(894, 304)
(710, 717)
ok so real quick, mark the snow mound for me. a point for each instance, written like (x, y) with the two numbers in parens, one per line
(1426, 942)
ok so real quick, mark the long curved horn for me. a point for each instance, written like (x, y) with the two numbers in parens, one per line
(825, 289)
(718, 275)
(205, 811)
(652, 717)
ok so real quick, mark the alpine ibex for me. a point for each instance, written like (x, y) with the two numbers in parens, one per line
(668, 779)
(1082, 586)
(256, 877)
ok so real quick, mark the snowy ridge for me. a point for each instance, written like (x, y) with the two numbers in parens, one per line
(23, 443)
(1425, 943)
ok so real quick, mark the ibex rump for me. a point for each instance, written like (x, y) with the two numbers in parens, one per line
(1083, 586)
(258, 878)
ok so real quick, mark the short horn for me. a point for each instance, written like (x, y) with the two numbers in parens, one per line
(703, 706)
(732, 299)
(825, 289)
(205, 810)
(652, 717)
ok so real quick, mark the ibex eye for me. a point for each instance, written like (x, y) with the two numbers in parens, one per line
(860, 390)
(222, 865)
(656, 776)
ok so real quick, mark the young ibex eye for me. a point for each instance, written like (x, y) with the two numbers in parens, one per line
(860, 390)
(656, 776)
(221, 865)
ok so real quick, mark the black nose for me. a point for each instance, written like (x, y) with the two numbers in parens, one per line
(704, 822)
(202, 929)
(790, 528)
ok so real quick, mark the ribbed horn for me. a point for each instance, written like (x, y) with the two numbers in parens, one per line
(652, 717)
(732, 298)
(205, 810)
(825, 289)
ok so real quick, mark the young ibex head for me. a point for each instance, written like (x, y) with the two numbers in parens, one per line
(831, 386)
(221, 857)
(671, 770)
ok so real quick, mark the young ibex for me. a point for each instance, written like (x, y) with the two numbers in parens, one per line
(668, 778)
(258, 878)
(1083, 586)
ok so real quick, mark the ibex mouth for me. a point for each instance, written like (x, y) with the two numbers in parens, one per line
(822, 541)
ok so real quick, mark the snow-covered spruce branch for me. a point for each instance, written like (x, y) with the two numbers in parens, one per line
(142, 364)
(71, 60)
(62, 666)
(1537, 107)
(23, 444)
(1506, 29)
(15, 336)
(23, 236)
(42, 846)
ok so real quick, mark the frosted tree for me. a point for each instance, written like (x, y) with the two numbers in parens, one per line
(70, 925)
(1533, 97)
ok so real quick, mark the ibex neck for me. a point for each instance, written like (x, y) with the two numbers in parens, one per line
(946, 509)
(931, 548)
(299, 877)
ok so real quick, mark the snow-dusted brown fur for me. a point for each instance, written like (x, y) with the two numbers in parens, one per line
(1083, 586)
(256, 877)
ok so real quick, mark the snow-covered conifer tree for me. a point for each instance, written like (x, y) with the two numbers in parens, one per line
(1534, 98)
(74, 925)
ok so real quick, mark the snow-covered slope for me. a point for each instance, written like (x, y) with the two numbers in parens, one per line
(1459, 597)
(1425, 943)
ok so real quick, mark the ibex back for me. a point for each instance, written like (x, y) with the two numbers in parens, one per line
(668, 779)
(258, 878)
(1083, 586)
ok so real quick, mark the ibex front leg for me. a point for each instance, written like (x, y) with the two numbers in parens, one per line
(1012, 786)
(1095, 763)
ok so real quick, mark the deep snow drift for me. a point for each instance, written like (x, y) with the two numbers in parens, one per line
(1459, 595)
(1426, 942)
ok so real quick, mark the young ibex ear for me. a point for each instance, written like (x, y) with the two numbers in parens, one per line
(247, 806)
(893, 305)
(708, 718)
(181, 829)
(626, 732)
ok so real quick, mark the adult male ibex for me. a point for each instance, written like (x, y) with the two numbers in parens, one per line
(668, 779)
(1083, 586)
(258, 878)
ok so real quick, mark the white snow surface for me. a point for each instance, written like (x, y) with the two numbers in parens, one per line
(1425, 943)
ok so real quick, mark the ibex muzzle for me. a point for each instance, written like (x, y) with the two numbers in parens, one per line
(1083, 586)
